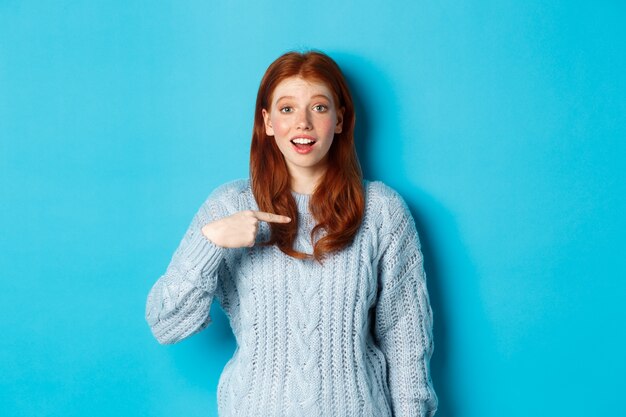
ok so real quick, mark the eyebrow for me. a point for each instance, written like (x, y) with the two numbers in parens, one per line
(315, 96)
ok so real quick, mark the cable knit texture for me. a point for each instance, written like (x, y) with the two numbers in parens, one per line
(351, 336)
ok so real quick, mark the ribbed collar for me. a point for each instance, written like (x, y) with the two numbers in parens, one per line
(302, 202)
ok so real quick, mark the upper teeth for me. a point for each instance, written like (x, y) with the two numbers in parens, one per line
(303, 141)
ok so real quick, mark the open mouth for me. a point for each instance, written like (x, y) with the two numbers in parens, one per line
(303, 144)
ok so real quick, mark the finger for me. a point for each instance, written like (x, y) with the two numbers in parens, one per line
(270, 217)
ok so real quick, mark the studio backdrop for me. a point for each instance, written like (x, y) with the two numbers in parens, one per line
(502, 123)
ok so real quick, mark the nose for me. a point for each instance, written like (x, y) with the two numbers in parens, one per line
(304, 120)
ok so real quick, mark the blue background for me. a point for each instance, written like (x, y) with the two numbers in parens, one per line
(502, 123)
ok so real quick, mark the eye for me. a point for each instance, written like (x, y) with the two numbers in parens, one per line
(286, 109)
(320, 107)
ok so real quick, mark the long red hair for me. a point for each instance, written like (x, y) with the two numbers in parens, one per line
(338, 201)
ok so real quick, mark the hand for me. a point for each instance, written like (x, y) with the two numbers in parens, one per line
(240, 229)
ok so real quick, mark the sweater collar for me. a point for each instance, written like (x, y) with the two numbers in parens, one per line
(302, 202)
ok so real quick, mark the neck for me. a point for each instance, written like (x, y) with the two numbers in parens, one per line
(305, 181)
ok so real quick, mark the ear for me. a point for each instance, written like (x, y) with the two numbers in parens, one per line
(339, 125)
(269, 130)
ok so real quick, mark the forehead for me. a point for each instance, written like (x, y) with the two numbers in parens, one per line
(299, 87)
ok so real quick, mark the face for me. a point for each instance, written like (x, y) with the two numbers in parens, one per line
(303, 119)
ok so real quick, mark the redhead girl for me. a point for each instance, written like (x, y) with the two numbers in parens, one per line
(319, 271)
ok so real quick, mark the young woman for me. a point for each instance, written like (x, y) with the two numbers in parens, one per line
(319, 272)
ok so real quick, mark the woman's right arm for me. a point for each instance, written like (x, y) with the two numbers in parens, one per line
(179, 302)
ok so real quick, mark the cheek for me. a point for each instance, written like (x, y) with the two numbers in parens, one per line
(328, 125)
(281, 127)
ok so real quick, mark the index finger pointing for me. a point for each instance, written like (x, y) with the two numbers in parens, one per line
(270, 217)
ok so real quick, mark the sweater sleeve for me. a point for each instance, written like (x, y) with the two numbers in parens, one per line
(403, 324)
(179, 302)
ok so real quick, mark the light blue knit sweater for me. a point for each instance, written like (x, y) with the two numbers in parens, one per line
(349, 337)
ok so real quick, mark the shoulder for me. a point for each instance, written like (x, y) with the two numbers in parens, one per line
(230, 190)
(386, 210)
(227, 198)
(382, 198)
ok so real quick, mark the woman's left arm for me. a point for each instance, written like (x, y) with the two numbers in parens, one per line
(403, 326)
